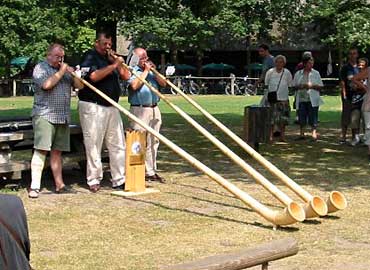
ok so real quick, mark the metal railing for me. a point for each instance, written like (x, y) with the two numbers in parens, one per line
(230, 85)
(193, 85)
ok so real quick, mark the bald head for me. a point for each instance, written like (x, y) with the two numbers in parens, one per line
(142, 56)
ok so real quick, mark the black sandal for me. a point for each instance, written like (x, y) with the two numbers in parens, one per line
(65, 190)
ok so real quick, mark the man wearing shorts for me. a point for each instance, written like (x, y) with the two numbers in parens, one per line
(51, 116)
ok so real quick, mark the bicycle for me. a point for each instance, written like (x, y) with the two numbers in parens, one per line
(124, 87)
(26, 88)
(187, 85)
(241, 87)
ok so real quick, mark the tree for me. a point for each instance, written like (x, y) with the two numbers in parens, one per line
(33, 24)
(204, 25)
(340, 23)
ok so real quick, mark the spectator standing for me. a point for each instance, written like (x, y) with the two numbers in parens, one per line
(305, 55)
(308, 84)
(267, 61)
(362, 80)
(278, 80)
(347, 90)
(356, 103)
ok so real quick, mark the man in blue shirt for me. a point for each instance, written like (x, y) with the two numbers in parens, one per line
(267, 62)
(144, 105)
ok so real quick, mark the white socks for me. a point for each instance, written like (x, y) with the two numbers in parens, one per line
(37, 164)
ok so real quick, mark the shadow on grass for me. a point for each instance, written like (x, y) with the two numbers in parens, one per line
(330, 217)
(211, 202)
(325, 163)
(217, 217)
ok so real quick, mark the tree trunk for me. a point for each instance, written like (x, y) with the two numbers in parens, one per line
(7, 68)
(340, 55)
(163, 63)
(249, 56)
(199, 61)
(174, 58)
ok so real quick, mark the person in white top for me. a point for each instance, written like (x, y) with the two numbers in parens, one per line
(308, 84)
(278, 80)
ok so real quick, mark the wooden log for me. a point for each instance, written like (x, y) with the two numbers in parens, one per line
(244, 258)
(257, 125)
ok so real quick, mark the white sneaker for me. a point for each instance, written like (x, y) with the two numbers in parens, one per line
(356, 140)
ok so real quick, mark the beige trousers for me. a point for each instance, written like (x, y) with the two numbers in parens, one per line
(152, 117)
(100, 125)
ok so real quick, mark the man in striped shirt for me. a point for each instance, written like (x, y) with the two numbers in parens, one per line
(51, 116)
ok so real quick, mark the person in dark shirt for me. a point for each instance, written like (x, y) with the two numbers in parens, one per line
(14, 238)
(347, 90)
(267, 62)
(100, 121)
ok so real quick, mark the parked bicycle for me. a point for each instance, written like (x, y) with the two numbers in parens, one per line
(187, 85)
(241, 87)
(25, 87)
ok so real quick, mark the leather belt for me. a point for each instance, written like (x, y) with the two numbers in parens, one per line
(97, 102)
(145, 106)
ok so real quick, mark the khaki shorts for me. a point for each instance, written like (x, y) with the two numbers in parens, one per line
(48, 136)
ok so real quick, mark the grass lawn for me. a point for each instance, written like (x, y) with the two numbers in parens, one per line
(192, 216)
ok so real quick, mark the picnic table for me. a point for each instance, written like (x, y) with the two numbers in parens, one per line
(16, 135)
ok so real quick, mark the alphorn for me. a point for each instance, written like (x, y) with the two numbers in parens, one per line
(310, 209)
(291, 214)
(336, 200)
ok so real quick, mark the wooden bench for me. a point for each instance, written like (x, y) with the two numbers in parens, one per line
(245, 258)
(11, 141)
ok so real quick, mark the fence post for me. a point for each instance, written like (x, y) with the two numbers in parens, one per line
(179, 82)
(232, 77)
(14, 88)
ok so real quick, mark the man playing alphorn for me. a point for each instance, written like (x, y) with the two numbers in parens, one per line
(100, 121)
(51, 116)
(144, 105)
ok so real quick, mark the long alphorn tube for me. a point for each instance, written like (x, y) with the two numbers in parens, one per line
(277, 193)
(336, 200)
(291, 214)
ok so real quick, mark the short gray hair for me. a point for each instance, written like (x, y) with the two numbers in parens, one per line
(54, 46)
(280, 56)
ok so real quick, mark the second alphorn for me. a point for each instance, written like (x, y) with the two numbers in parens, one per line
(336, 200)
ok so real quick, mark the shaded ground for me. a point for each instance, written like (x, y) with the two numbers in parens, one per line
(193, 217)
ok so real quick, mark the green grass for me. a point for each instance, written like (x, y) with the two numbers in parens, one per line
(192, 216)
